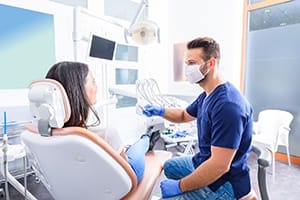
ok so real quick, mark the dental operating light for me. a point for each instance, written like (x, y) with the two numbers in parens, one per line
(142, 31)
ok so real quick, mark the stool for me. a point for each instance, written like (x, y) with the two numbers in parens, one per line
(15, 152)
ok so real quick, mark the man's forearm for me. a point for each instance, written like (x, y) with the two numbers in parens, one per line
(176, 115)
(210, 170)
(204, 175)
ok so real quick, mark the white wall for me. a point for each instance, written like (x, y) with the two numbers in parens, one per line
(182, 21)
(178, 21)
(186, 20)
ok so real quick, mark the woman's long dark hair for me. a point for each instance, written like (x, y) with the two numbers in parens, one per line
(72, 76)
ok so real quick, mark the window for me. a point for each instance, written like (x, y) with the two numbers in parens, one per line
(274, 16)
(255, 1)
(27, 47)
(272, 60)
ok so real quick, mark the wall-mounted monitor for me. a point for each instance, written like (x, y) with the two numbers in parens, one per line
(100, 47)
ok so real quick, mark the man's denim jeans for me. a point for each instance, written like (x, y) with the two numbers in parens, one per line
(179, 167)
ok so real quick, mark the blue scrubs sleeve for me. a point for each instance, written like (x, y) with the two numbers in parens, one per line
(228, 126)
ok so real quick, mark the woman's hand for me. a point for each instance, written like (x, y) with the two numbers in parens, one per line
(123, 154)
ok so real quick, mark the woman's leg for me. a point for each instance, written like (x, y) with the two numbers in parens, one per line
(136, 155)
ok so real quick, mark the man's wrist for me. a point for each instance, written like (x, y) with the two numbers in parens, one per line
(180, 185)
(162, 112)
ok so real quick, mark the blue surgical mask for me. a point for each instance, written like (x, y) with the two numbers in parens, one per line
(193, 73)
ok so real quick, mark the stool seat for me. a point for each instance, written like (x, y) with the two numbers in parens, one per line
(14, 152)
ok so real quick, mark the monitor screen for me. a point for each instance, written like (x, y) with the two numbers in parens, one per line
(101, 48)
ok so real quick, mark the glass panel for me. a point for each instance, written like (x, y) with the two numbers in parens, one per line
(275, 16)
(81, 3)
(126, 76)
(126, 53)
(124, 101)
(273, 66)
(254, 1)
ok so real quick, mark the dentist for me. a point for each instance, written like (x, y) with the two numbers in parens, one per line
(224, 121)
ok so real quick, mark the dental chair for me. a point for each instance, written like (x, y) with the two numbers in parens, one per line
(74, 162)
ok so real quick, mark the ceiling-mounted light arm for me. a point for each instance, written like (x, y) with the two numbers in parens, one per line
(141, 30)
(158, 35)
(142, 6)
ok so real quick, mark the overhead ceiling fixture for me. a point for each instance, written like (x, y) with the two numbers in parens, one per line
(141, 30)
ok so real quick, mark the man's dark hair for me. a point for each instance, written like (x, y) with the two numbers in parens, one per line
(210, 47)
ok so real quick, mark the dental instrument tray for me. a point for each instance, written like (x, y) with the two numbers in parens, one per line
(176, 136)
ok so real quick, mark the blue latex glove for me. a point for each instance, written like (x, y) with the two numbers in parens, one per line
(152, 110)
(170, 188)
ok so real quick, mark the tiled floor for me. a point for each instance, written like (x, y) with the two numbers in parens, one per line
(285, 186)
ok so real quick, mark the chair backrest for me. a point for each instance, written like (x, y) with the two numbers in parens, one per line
(75, 163)
(75, 167)
(271, 121)
(49, 104)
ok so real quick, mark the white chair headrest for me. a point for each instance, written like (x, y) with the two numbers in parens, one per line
(49, 104)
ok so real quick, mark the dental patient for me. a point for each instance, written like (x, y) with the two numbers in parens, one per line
(80, 86)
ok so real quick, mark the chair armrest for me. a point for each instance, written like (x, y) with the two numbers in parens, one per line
(264, 160)
(263, 154)
(286, 128)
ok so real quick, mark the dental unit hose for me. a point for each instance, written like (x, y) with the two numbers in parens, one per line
(4, 149)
